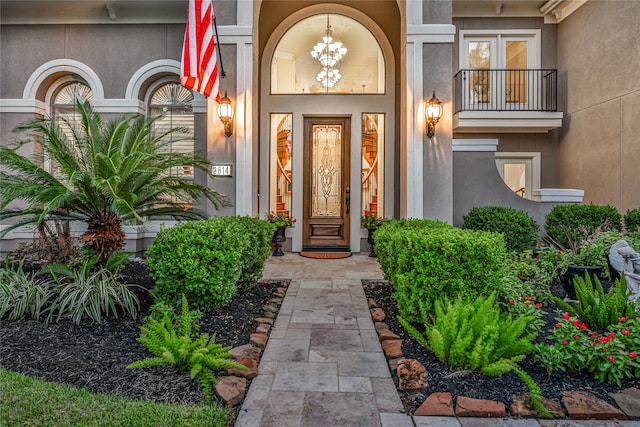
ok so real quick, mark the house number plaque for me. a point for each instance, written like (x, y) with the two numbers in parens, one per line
(220, 169)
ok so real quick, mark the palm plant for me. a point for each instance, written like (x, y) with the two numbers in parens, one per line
(109, 172)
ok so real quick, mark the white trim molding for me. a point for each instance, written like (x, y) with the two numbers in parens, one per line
(558, 195)
(66, 66)
(474, 145)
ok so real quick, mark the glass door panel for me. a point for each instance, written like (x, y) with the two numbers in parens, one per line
(326, 171)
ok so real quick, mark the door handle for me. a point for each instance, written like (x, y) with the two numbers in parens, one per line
(348, 198)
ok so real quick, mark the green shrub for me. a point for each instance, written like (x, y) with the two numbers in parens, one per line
(594, 307)
(259, 232)
(22, 293)
(566, 223)
(426, 263)
(477, 336)
(385, 252)
(202, 259)
(200, 357)
(519, 229)
(632, 220)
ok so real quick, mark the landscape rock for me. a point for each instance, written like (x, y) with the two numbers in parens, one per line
(392, 348)
(259, 340)
(629, 401)
(522, 407)
(437, 404)
(231, 390)
(246, 351)
(468, 407)
(372, 303)
(393, 364)
(380, 326)
(582, 405)
(264, 320)
(263, 328)
(281, 291)
(386, 334)
(270, 308)
(277, 301)
(377, 315)
(270, 315)
(251, 371)
(411, 375)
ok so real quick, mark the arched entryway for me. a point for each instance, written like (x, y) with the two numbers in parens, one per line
(328, 122)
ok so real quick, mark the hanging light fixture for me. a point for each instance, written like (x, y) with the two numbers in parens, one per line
(328, 52)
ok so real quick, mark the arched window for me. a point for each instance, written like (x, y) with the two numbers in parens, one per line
(173, 102)
(328, 53)
(64, 111)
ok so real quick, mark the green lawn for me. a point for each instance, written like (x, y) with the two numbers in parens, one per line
(26, 401)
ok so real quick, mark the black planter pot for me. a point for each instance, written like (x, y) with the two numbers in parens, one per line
(277, 239)
(370, 240)
(581, 271)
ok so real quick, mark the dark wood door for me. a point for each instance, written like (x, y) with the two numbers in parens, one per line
(326, 201)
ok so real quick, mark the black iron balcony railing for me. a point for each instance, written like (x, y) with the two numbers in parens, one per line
(505, 90)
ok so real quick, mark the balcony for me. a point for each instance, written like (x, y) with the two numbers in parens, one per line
(505, 101)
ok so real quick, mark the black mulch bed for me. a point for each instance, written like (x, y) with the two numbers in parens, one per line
(94, 356)
(474, 385)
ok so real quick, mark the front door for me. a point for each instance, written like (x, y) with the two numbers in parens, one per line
(326, 201)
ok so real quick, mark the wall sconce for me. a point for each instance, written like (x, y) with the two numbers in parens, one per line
(433, 112)
(225, 112)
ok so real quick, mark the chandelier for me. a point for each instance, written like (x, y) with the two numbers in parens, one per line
(328, 52)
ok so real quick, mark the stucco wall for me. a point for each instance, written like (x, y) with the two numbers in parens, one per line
(599, 66)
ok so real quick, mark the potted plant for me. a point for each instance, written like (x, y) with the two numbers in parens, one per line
(281, 221)
(583, 256)
(371, 223)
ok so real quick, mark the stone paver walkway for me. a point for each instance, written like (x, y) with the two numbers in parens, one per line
(323, 365)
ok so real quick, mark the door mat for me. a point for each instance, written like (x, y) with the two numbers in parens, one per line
(325, 255)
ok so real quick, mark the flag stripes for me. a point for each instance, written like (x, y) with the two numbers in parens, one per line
(199, 67)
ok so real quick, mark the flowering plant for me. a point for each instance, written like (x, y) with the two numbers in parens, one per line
(610, 356)
(370, 221)
(281, 219)
(527, 306)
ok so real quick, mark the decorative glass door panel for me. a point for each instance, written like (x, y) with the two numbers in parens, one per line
(326, 189)
(326, 168)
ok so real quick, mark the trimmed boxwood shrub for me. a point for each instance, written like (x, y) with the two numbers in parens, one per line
(580, 221)
(388, 261)
(259, 232)
(426, 263)
(632, 220)
(205, 260)
(519, 229)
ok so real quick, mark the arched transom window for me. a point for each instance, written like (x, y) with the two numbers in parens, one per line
(173, 102)
(327, 53)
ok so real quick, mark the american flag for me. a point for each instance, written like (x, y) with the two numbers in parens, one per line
(199, 68)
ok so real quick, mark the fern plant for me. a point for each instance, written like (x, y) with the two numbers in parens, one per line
(596, 308)
(478, 337)
(201, 356)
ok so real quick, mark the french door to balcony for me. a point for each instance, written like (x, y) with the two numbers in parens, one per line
(500, 71)
(326, 196)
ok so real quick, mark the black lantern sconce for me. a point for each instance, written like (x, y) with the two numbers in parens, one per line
(225, 112)
(433, 112)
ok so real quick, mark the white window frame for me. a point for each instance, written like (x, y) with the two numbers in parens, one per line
(498, 40)
(531, 161)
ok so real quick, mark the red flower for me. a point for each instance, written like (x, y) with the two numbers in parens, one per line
(527, 303)
(593, 335)
(176, 322)
(577, 337)
(158, 309)
(576, 322)
(604, 349)
(583, 326)
(511, 302)
(611, 359)
(623, 319)
(538, 305)
(624, 332)
(632, 354)
(565, 316)
(565, 342)
(558, 325)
